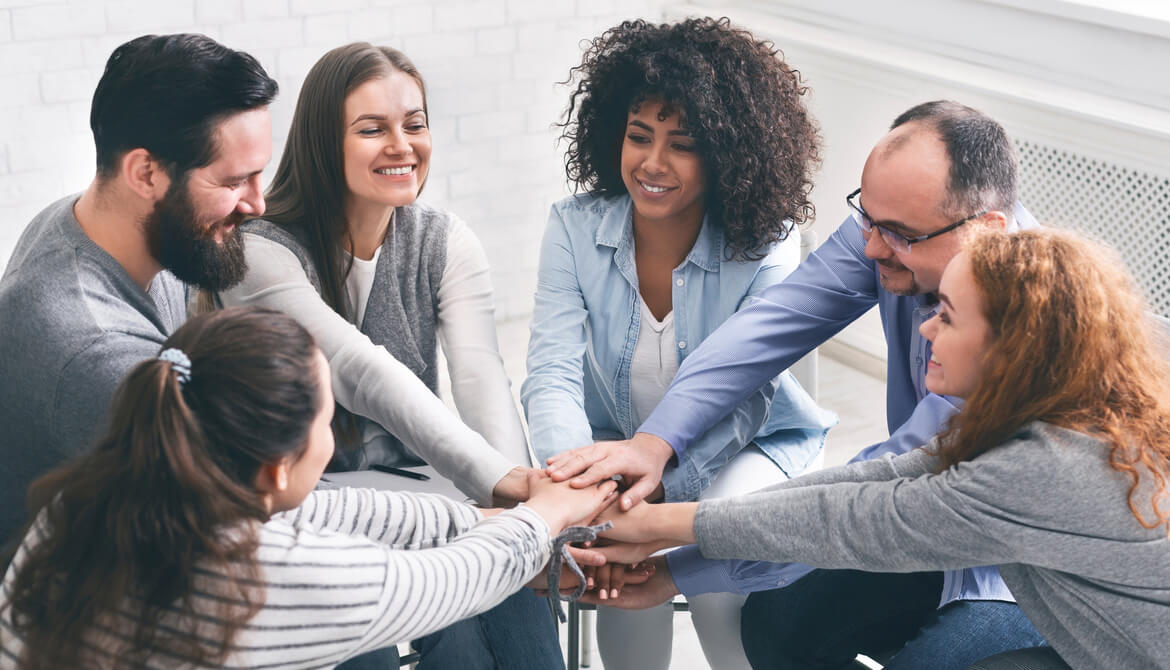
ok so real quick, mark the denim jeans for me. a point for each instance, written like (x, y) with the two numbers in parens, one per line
(965, 631)
(828, 617)
(1036, 658)
(516, 634)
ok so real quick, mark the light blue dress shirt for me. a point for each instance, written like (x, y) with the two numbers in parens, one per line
(832, 288)
(585, 326)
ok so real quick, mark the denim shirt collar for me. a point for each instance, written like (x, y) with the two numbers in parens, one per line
(617, 231)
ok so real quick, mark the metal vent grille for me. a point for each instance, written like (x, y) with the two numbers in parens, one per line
(1127, 208)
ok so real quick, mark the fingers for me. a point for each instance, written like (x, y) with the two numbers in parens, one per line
(570, 463)
(586, 557)
(638, 492)
(623, 552)
(598, 472)
(603, 581)
(617, 579)
(639, 573)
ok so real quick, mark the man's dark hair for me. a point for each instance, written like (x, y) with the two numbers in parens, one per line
(983, 159)
(167, 94)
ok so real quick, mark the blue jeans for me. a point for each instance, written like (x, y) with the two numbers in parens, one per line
(965, 632)
(830, 616)
(1036, 658)
(516, 634)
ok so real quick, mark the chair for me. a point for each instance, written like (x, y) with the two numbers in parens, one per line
(582, 618)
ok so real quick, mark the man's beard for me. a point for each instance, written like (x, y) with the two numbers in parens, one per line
(189, 250)
(911, 289)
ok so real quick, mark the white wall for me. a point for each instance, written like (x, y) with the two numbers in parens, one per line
(490, 67)
(1090, 89)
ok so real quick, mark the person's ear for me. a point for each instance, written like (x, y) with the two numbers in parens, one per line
(273, 477)
(144, 175)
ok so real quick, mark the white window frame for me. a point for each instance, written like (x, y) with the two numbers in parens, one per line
(1150, 17)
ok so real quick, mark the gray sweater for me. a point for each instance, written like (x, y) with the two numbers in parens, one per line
(72, 325)
(1045, 507)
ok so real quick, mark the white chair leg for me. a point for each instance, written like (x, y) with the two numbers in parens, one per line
(588, 636)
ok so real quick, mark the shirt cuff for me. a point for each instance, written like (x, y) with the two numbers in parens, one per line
(694, 575)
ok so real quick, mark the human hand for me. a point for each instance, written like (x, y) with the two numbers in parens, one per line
(647, 527)
(658, 588)
(562, 505)
(512, 488)
(639, 460)
(612, 577)
(587, 559)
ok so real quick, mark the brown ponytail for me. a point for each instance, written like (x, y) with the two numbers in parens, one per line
(167, 495)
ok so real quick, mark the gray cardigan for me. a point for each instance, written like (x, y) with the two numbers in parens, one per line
(1045, 507)
(386, 369)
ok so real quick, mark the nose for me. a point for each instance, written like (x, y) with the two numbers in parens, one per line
(876, 247)
(396, 143)
(654, 163)
(929, 327)
(252, 201)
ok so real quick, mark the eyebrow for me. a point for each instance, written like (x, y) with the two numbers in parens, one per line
(889, 224)
(383, 117)
(942, 297)
(681, 131)
(235, 178)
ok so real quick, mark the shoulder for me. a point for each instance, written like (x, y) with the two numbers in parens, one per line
(589, 206)
(275, 233)
(1042, 457)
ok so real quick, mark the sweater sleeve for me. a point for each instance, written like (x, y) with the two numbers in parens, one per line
(891, 515)
(367, 379)
(344, 594)
(402, 520)
(467, 333)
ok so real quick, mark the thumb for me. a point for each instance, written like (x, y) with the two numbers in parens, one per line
(638, 492)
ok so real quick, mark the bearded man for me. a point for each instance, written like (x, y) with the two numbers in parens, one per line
(99, 280)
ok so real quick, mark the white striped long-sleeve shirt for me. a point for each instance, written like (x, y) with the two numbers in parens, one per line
(352, 570)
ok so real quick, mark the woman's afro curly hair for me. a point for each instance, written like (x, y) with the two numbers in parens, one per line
(738, 99)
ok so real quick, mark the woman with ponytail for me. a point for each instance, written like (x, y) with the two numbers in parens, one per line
(192, 534)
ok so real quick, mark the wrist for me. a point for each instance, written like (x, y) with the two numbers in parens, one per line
(652, 444)
(673, 523)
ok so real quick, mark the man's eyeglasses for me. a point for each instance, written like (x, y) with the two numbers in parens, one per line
(897, 241)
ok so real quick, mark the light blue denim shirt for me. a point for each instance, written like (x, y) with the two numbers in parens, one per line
(585, 326)
(831, 289)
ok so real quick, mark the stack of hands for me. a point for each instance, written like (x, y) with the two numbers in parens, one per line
(579, 487)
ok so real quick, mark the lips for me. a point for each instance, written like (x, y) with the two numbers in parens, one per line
(651, 187)
(395, 171)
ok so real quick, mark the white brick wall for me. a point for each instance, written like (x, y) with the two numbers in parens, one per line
(490, 65)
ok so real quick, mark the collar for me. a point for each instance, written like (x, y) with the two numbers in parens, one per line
(617, 231)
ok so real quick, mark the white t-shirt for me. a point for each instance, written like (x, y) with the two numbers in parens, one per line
(653, 365)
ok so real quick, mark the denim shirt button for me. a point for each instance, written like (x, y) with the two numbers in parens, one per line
(679, 282)
(682, 344)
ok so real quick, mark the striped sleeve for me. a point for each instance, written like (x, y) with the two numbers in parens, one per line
(401, 520)
(330, 597)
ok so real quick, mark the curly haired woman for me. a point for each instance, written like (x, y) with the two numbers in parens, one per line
(695, 152)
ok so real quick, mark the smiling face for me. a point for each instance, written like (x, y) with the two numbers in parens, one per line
(959, 333)
(903, 188)
(387, 145)
(193, 230)
(660, 166)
